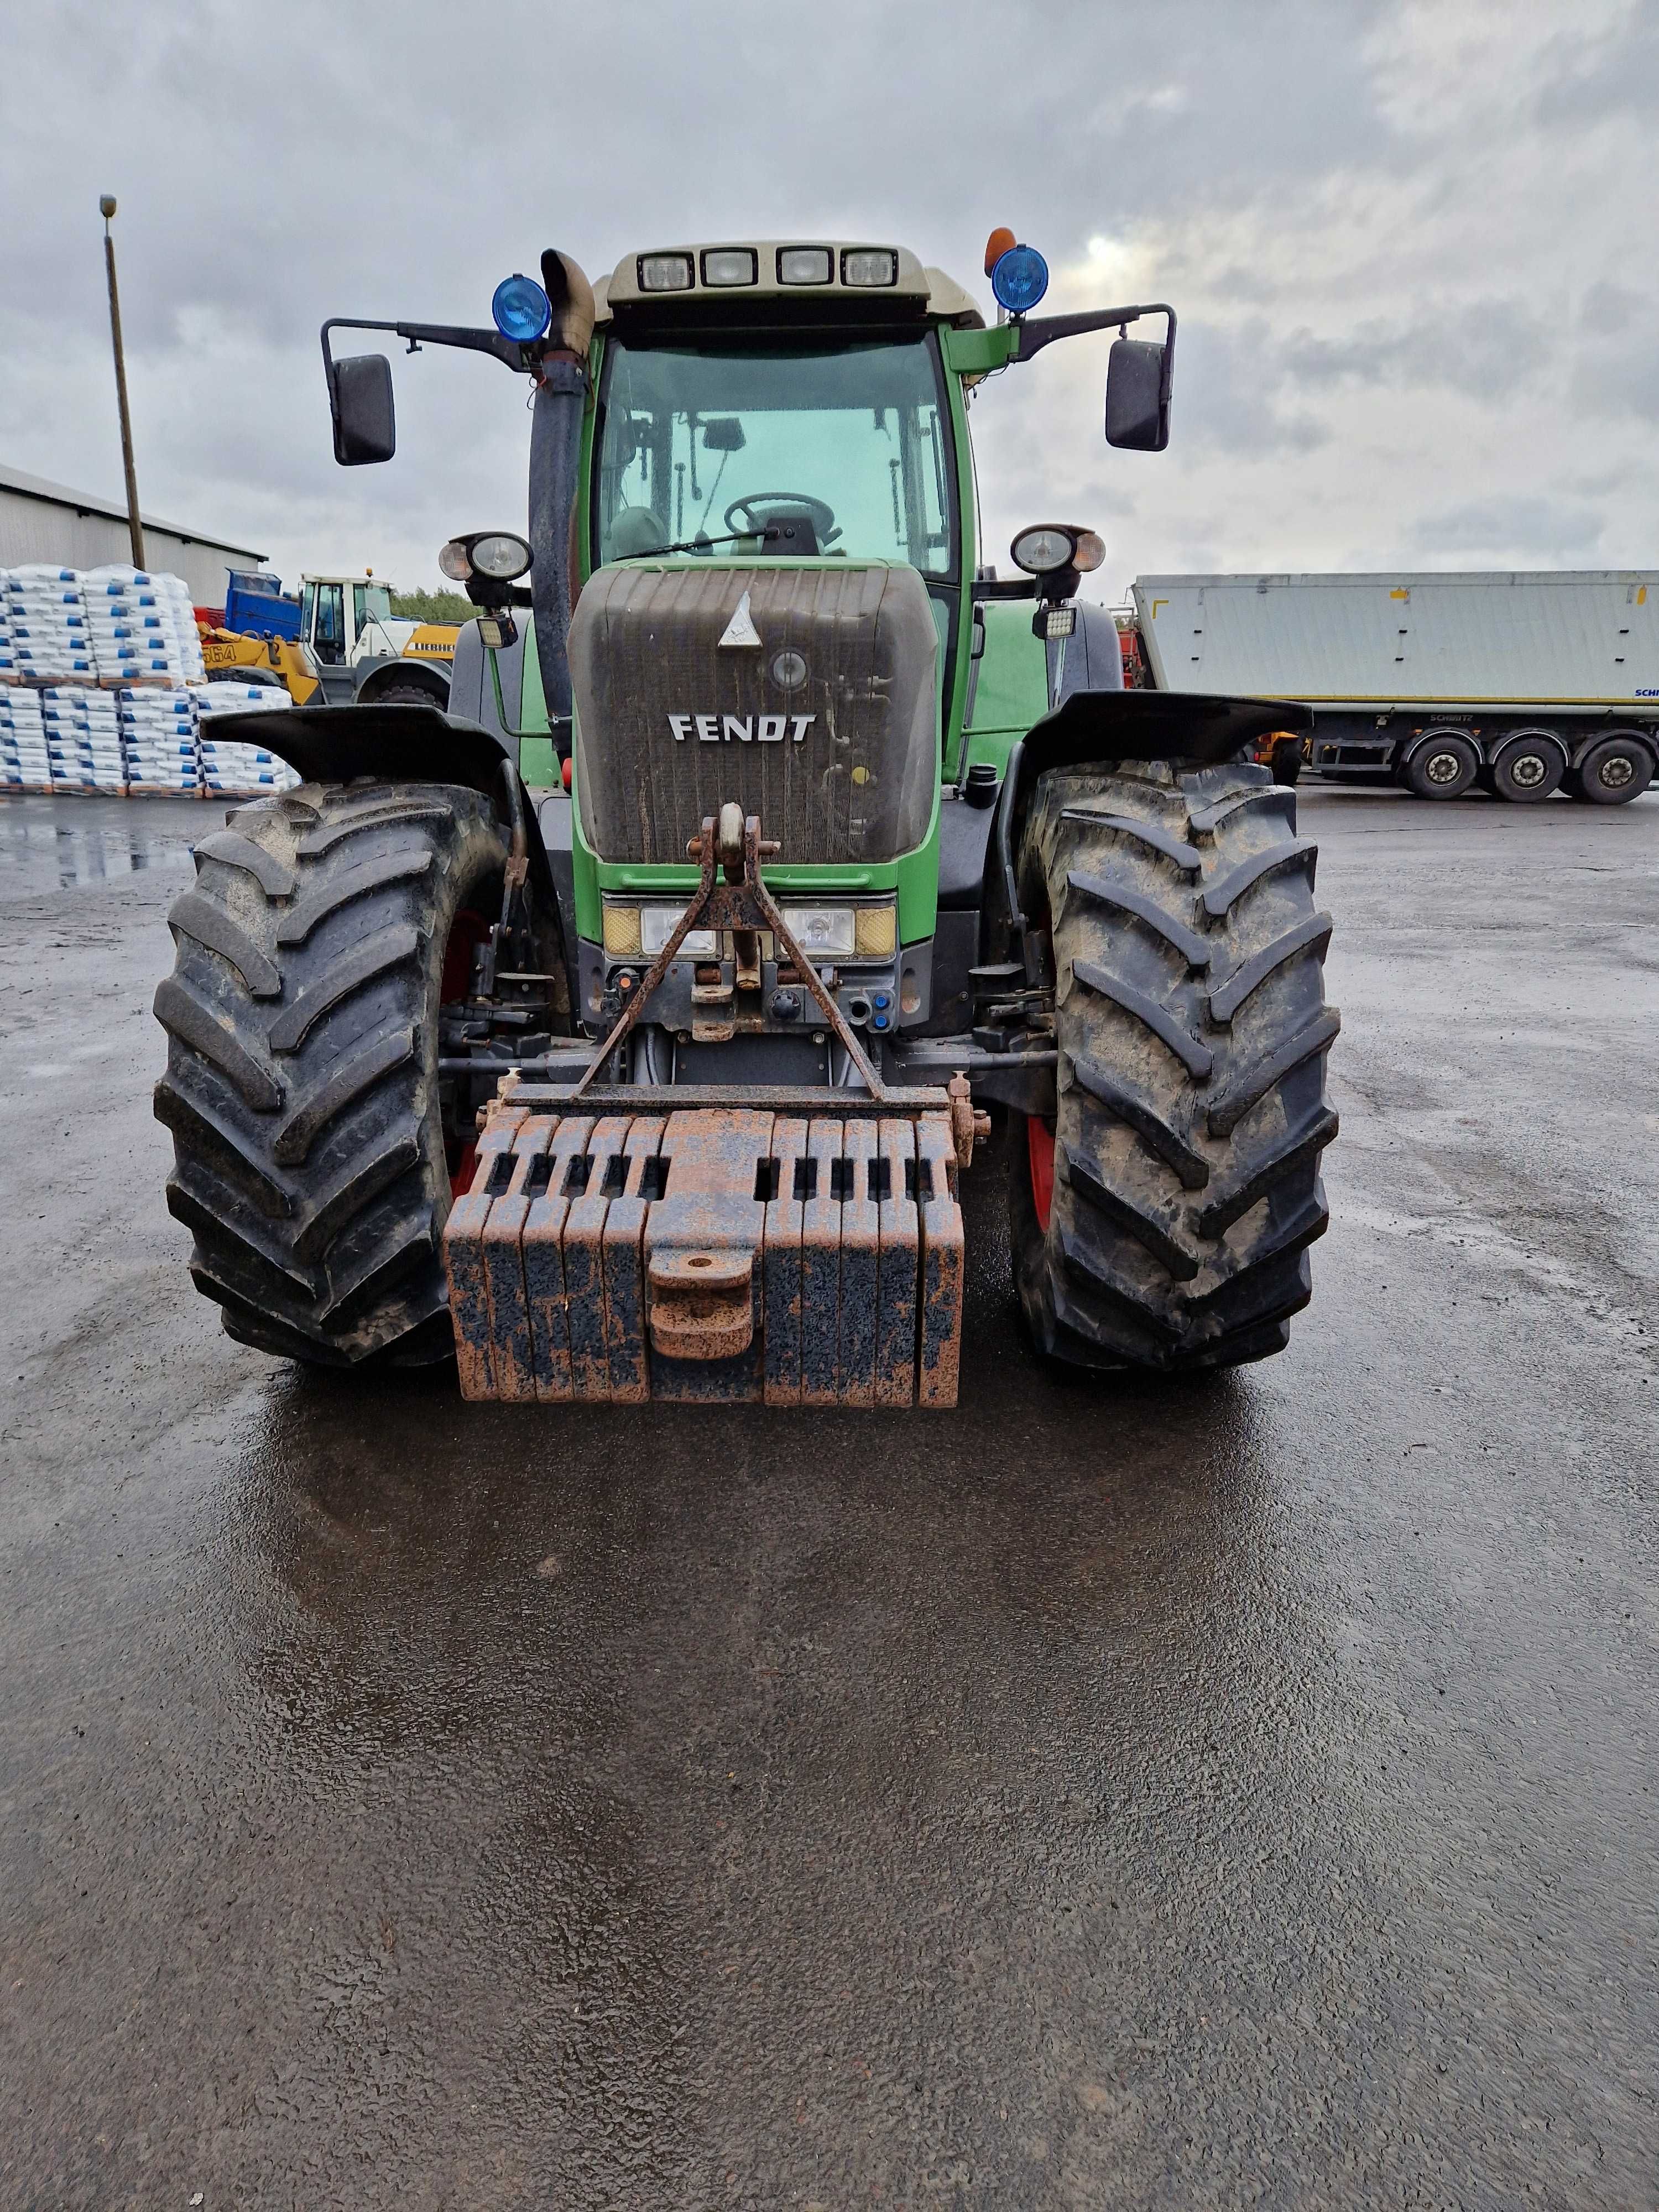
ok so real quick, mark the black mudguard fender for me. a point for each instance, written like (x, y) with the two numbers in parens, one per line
(1194, 728)
(401, 744)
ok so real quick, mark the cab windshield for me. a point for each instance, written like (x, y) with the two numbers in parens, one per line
(847, 448)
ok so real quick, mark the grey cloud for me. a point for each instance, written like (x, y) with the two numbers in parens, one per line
(1590, 77)
(1616, 366)
(1486, 347)
(1235, 391)
(1526, 527)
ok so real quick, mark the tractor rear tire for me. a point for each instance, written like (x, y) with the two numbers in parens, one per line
(1182, 1174)
(301, 1086)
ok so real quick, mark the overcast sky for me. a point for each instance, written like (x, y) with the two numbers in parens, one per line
(1411, 246)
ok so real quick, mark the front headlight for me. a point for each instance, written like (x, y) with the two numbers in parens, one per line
(658, 923)
(821, 929)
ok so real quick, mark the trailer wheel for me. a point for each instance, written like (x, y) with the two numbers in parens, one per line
(1612, 772)
(1161, 1221)
(1444, 766)
(1287, 761)
(1528, 768)
(312, 1164)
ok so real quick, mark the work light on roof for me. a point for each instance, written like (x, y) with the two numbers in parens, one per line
(665, 272)
(1019, 279)
(805, 264)
(869, 267)
(520, 309)
(729, 265)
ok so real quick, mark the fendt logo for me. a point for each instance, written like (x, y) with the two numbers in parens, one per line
(747, 729)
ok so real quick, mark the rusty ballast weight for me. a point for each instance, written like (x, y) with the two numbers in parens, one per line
(714, 1254)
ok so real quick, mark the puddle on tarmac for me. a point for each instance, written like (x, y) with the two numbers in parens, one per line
(65, 844)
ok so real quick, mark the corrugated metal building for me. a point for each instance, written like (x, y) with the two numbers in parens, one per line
(44, 521)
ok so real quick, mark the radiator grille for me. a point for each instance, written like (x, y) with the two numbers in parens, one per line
(671, 723)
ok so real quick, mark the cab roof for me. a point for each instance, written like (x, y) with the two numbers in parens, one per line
(756, 288)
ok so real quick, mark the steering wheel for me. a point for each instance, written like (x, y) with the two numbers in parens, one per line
(753, 522)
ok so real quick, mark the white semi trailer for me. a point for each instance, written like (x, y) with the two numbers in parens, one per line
(1523, 684)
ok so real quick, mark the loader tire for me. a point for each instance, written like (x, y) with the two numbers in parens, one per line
(407, 695)
(301, 1085)
(1162, 1222)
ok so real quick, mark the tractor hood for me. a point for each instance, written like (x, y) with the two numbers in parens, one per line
(806, 691)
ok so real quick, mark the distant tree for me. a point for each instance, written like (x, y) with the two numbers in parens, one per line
(432, 607)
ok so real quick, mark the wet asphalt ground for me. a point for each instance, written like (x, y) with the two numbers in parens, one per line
(1104, 1796)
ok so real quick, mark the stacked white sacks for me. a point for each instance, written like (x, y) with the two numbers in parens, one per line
(25, 762)
(240, 768)
(143, 627)
(158, 738)
(47, 636)
(84, 739)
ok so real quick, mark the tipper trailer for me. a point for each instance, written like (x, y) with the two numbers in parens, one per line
(624, 1032)
(1523, 684)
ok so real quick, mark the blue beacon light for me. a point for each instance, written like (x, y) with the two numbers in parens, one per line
(1019, 279)
(520, 309)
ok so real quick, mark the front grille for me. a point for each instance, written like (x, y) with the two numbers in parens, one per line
(671, 723)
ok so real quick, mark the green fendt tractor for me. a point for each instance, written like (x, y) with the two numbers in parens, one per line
(624, 1031)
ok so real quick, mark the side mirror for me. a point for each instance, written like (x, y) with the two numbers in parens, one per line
(360, 401)
(1138, 375)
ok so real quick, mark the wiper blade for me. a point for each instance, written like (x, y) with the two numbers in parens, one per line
(702, 545)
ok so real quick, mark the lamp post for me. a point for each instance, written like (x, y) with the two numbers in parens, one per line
(135, 527)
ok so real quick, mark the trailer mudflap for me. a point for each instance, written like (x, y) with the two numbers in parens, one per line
(715, 1254)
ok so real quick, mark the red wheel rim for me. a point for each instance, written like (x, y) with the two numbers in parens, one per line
(1040, 1152)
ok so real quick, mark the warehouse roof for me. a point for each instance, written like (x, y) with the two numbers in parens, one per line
(86, 502)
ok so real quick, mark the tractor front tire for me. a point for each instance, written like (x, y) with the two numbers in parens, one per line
(301, 1085)
(1162, 1222)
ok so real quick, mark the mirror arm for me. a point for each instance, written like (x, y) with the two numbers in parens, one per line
(1044, 329)
(522, 358)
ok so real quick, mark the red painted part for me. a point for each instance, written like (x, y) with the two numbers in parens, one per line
(461, 1182)
(467, 932)
(564, 774)
(1040, 1149)
(1136, 675)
